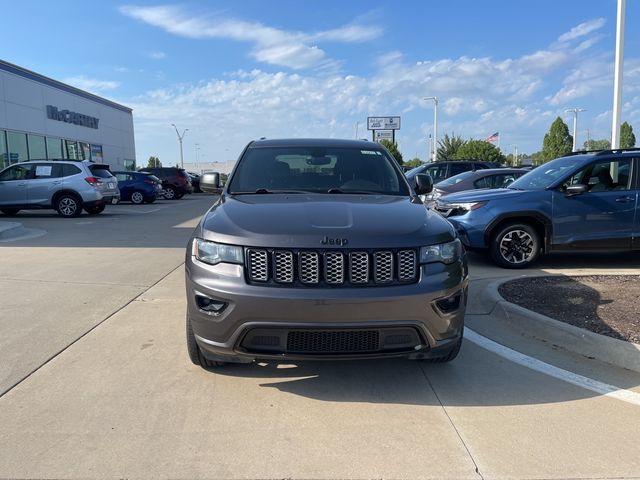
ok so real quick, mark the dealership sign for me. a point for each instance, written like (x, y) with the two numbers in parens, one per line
(384, 135)
(383, 123)
(71, 117)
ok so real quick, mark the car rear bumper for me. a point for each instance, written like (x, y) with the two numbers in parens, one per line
(261, 322)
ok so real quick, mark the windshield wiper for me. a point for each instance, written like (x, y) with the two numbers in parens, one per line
(353, 192)
(261, 191)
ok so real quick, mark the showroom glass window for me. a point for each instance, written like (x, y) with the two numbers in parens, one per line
(85, 151)
(72, 150)
(17, 146)
(37, 148)
(4, 158)
(129, 165)
(54, 148)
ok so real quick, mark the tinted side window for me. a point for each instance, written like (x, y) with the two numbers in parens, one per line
(457, 168)
(68, 170)
(123, 177)
(437, 172)
(17, 172)
(604, 176)
(482, 183)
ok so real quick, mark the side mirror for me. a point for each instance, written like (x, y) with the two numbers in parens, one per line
(573, 190)
(210, 182)
(424, 183)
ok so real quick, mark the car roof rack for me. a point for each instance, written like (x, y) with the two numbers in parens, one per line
(605, 151)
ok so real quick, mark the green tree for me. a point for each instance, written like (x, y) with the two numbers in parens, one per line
(393, 149)
(448, 146)
(627, 138)
(154, 162)
(557, 142)
(414, 162)
(603, 144)
(480, 150)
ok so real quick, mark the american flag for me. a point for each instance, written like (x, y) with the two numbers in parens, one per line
(492, 138)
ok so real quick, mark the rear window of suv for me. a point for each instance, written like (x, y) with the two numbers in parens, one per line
(100, 172)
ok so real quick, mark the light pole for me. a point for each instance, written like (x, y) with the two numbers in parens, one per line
(575, 123)
(617, 81)
(434, 152)
(197, 157)
(180, 137)
(357, 125)
(515, 155)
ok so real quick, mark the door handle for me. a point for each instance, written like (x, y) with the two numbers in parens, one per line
(57, 182)
(625, 199)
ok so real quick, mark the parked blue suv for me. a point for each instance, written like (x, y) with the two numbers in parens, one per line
(138, 187)
(586, 201)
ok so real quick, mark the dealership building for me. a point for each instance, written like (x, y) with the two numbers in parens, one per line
(43, 118)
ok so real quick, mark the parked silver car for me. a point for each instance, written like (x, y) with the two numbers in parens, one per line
(107, 182)
(63, 185)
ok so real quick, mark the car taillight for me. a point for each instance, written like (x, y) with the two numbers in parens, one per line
(93, 181)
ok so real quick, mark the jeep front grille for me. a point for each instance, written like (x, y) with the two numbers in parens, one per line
(331, 268)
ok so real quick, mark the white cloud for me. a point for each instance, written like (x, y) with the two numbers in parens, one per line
(158, 55)
(581, 30)
(91, 84)
(516, 96)
(291, 49)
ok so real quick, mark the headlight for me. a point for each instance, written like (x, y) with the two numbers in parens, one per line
(464, 206)
(215, 253)
(443, 252)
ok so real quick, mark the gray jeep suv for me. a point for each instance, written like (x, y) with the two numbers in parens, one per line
(320, 249)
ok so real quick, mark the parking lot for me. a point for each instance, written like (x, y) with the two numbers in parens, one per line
(95, 381)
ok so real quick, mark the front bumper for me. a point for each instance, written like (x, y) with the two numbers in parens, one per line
(390, 311)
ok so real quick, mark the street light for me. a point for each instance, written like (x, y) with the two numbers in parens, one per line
(575, 123)
(197, 160)
(515, 154)
(434, 153)
(180, 137)
(617, 81)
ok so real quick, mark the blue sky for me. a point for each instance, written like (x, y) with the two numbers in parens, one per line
(232, 71)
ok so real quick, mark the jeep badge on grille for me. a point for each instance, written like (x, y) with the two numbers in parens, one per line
(334, 241)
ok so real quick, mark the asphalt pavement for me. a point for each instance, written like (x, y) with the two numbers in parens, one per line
(96, 381)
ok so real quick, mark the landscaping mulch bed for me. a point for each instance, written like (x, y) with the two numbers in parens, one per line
(604, 304)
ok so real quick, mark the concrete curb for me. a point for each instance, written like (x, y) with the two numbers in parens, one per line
(571, 338)
(10, 231)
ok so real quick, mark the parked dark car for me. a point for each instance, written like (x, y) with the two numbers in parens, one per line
(320, 249)
(175, 181)
(195, 181)
(583, 202)
(439, 171)
(138, 187)
(475, 179)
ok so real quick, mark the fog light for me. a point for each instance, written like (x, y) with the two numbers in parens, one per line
(210, 305)
(449, 304)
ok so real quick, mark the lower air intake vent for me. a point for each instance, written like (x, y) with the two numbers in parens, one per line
(333, 341)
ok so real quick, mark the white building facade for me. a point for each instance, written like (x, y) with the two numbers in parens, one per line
(43, 118)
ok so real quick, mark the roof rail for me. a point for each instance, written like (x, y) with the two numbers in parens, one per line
(618, 150)
(604, 152)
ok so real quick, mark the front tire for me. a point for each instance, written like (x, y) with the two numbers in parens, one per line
(68, 206)
(516, 245)
(195, 354)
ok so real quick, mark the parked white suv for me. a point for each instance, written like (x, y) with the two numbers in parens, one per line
(64, 185)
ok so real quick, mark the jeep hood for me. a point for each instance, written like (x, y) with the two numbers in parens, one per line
(305, 220)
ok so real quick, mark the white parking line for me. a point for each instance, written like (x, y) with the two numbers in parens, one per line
(559, 373)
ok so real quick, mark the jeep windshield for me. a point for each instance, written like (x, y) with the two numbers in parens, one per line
(547, 174)
(329, 170)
